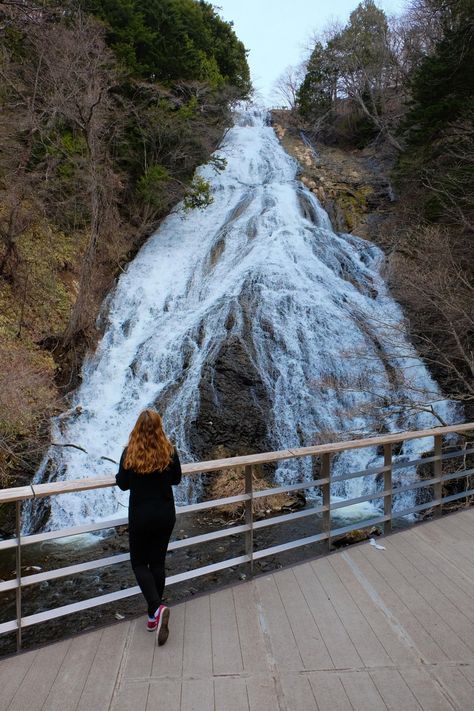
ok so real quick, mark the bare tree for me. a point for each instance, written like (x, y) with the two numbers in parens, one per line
(287, 85)
(432, 274)
(27, 400)
(75, 81)
(58, 97)
(16, 217)
(366, 62)
(450, 179)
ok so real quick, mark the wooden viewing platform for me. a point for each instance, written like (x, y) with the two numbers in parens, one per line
(357, 630)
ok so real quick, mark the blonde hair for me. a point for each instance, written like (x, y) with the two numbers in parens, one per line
(148, 448)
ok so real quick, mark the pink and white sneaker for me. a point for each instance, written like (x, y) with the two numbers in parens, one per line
(162, 619)
(151, 625)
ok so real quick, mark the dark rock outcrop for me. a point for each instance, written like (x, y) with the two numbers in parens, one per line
(234, 408)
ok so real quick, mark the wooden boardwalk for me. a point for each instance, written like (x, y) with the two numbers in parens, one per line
(358, 630)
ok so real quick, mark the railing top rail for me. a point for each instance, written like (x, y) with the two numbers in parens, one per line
(20, 493)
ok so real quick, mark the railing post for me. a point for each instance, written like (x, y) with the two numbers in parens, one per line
(438, 473)
(18, 573)
(249, 516)
(326, 491)
(387, 485)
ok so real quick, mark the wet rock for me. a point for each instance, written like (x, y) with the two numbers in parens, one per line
(234, 406)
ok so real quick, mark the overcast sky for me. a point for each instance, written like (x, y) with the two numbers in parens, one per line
(277, 31)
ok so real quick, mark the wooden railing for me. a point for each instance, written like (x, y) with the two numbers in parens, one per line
(324, 452)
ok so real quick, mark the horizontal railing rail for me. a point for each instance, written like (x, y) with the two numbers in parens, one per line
(323, 452)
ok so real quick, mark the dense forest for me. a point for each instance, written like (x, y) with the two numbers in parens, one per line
(404, 87)
(108, 107)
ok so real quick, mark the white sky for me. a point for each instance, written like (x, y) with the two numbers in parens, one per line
(277, 31)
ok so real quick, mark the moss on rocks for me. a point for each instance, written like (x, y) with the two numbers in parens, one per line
(351, 184)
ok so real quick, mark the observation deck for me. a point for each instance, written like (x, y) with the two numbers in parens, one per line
(358, 630)
(364, 628)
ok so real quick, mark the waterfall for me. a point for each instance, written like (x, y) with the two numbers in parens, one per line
(259, 282)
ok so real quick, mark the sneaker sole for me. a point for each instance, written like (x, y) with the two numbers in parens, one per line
(162, 632)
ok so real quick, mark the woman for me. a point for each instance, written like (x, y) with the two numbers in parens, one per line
(149, 466)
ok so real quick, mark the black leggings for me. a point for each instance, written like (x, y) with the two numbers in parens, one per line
(148, 546)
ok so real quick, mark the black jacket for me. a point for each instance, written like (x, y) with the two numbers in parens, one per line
(151, 494)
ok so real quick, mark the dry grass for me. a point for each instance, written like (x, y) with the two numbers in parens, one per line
(231, 482)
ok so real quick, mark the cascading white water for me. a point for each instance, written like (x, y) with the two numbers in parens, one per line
(263, 264)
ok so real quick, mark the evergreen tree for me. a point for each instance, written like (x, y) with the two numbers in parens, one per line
(173, 40)
(443, 87)
(439, 127)
(315, 93)
(356, 66)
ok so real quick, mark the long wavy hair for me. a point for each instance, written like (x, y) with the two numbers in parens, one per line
(148, 449)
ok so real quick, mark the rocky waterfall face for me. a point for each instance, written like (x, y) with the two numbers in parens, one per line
(250, 326)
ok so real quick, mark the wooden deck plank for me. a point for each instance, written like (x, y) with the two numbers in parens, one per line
(252, 643)
(307, 635)
(131, 696)
(361, 691)
(230, 694)
(409, 625)
(441, 573)
(197, 646)
(465, 519)
(464, 525)
(197, 695)
(226, 653)
(72, 675)
(439, 630)
(262, 694)
(453, 552)
(394, 691)
(12, 672)
(447, 530)
(468, 672)
(440, 603)
(39, 678)
(441, 560)
(298, 693)
(343, 653)
(363, 638)
(457, 686)
(460, 525)
(139, 652)
(329, 692)
(168, 660)
(100, 683)
(427, 692)
(284, 649)
(164, 695)
(367, 599)
(444, 540)
(461, 549)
